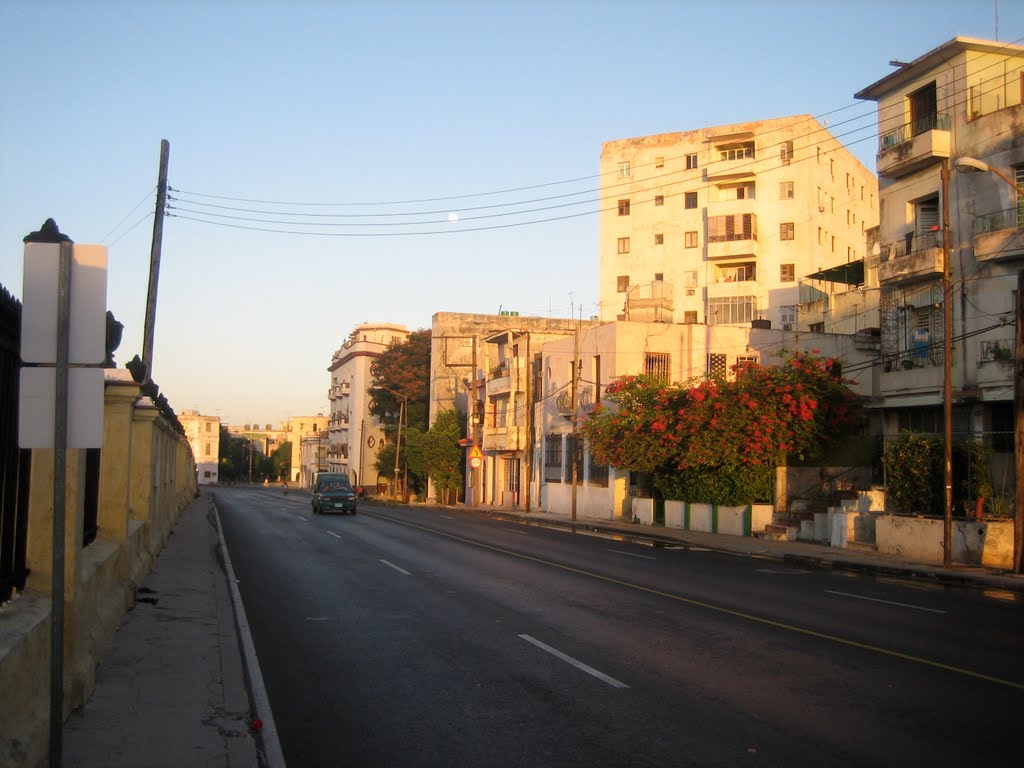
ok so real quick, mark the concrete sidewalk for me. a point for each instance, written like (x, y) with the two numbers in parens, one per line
(799, 553)
(171, 689)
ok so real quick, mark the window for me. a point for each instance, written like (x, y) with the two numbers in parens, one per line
(786, 152)
(746, 360)
(597, 473)
(553, 458)
(691, 240)
(736, 273)
(623, 170)
(730, 309)
(690, 317)
(659, 239)
(740, 226)
(659, 199)
(623, 245)
(656, 364)
(659, 162)
(690, 200)
(209, 426)
(574, 451)
(787, 273)
(209, 449)
(787, 230)
(787, 316)
(785, 190)
(623, 207)
(622, 283)
(717, 365)
(690, 278)
(736, 151)
(691, 162)
(659, 277)
(512, 475)
(923, 109)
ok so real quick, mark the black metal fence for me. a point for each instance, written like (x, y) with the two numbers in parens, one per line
(14, 462)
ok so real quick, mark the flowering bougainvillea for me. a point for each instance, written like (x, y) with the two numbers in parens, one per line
(722, 438)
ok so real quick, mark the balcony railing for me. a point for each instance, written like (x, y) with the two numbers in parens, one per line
(1011, 218)
(911, 244)
(933, 122)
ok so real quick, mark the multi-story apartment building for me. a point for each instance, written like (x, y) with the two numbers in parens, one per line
(486, 366)
(719, 225)
(951, 151)
(354, 434)
(203, 434)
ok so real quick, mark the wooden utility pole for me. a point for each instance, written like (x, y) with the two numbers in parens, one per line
(947, 378)
(575, 417)
(154, 260)
(1018, 432)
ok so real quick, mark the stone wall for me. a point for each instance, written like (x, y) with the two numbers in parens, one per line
(147, 477)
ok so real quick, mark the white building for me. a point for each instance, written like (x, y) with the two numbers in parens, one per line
(203, 434)
(676, 353)
(956, 108)
(354, 434)
(718, 225)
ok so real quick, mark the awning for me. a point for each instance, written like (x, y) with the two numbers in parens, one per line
(851, 273)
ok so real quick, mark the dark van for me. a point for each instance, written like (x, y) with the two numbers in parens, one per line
(332, 492)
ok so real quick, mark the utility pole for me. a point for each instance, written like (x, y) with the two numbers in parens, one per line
(154, 260)
(947, 378)
(1018, 435)
(575, 416)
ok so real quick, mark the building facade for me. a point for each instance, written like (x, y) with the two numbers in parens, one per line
(484, 366)
(675, 353)
(717, 225)
(354, 434)
(950, 154)
(203, 434)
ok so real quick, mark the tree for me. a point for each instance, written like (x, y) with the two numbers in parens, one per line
(282, 461)
(401, 381)
(443, 457)
(718, 440)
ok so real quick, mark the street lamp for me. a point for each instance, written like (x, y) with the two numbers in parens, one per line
(971, 164)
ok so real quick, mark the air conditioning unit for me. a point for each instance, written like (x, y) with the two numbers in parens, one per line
(787, 326)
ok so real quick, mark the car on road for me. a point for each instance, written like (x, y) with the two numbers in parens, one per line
(333, 492)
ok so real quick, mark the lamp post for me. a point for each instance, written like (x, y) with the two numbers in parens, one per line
(402, 413)
(971, 164)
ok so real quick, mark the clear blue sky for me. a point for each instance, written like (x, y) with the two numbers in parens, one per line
(386, 102)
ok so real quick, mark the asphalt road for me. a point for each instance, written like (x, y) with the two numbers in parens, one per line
(442, 637)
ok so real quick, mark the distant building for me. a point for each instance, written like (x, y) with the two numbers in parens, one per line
(203, 434)
(297, 429)
(719, 225)
(354, 434)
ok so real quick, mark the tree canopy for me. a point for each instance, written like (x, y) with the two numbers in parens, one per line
(401, 377)
(720, 440)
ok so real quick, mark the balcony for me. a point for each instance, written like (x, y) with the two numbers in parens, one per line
(999, 236)
(732, 236)
(507, 438)
(725, 287)
(650, 303)
(913, 146)
(736, 157)
(916, 257)
(584, 402)
(339, 390)
(507, 376)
